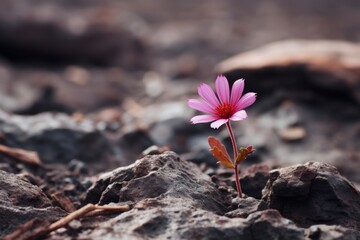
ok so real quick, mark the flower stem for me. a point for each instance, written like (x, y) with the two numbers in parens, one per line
(238, 187)
(232, 140)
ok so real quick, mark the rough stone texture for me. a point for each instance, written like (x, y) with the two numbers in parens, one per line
(269, 224)
(56, 137)
(313, 193)
(245, 207)
(21, 201)
(254, 178)
(325, 232)
(176, 221)
(164, 175)
(333, 66)
(174, 199)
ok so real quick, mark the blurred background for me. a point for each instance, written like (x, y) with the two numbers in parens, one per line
(94, 83)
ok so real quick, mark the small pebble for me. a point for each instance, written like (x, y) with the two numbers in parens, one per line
(75, 224)
(292, 134)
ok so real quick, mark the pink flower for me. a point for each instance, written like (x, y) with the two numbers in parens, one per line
(223, 107)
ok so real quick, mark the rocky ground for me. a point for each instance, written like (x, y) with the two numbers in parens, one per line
(93, 113)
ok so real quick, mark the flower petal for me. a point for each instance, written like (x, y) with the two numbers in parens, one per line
(200, 106)
(240, 115)
(208, 95)
(218, 123)
(222, 89)
(246, 101)
(236, 91)
(202, 119)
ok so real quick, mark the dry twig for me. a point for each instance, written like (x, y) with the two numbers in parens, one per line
(88, 210)
(101, 210)
(25, 156)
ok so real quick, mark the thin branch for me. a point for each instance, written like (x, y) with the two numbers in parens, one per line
(25, 156)
(89, 210)
(102, 210)
(74, 215)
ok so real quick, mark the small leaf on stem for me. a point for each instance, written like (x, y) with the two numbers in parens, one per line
(243, 154)
(219, 152)
(214, 142)
(223, 160)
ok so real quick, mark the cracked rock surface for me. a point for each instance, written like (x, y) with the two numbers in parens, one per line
(163, 176)
(174, 200)
(56, 137)
(313, 193)
(21, 201)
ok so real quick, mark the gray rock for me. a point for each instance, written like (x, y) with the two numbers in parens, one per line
(154, 176)
(171, 218)
(269, 224)
(21, 201)
(328, 65)
(254, 178)
(326, 232)
(313, 193)
(175, 200)
(56, 137)
(245, 207)
(258, 226)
